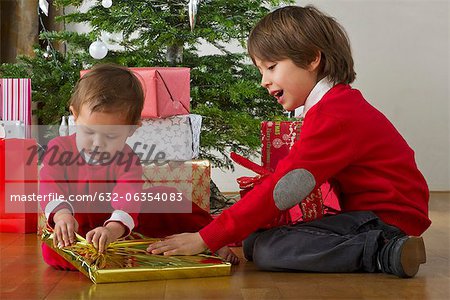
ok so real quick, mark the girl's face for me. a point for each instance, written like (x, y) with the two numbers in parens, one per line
(287, 82)
(101, 135)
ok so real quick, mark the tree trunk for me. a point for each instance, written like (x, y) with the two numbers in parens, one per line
(19, 28)
(174, 54)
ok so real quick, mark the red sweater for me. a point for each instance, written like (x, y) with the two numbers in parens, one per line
(66, 173)
(346, 140)
(121, 178)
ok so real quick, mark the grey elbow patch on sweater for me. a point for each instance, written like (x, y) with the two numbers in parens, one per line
(292, 188)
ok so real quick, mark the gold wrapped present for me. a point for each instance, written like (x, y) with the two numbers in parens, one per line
(192, 178)
(127, 260)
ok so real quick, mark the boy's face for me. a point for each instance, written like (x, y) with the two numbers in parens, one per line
(101, 133)
(287, 82)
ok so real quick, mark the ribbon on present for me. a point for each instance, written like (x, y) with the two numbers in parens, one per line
(246, 182)
(15, 101)
(311, 208)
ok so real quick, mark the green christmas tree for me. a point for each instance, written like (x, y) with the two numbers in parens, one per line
(224, 87)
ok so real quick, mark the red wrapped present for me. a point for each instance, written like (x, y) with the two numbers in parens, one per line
(166, 90)
(18, 185)
(277, 138)
(320, 202)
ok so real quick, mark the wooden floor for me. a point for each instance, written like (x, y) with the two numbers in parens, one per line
(25, 276)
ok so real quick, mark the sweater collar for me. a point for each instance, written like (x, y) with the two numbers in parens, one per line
(316, 94)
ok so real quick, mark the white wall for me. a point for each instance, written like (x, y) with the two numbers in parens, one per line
(401, 51)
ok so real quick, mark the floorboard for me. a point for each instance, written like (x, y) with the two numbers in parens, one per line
(24, 275)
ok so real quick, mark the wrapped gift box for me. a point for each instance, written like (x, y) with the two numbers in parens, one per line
(166, 90)
(18, 178)
(311, 208)
(192, 178)
(176, 138)
(15, 104)
(277, 138)
(126, 261)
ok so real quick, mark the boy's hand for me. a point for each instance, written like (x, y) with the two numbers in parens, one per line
(228, 255)
(102, 236)
(65, 228)
(179, 244)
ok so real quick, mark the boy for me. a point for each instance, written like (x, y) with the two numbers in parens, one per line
(106, 106)
(98, 173)
(305, 60)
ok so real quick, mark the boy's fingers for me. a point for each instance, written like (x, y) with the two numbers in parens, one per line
(155, 245)
(65, 236)
(95, 239)
(234, 260)
(156, 251)
(89, 236)
(71, 231)
(102, 243)
(162, 249)
(56, 237)
(171, 252)
(59, 240)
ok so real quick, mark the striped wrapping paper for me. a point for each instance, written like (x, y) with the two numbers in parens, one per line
(15, 101)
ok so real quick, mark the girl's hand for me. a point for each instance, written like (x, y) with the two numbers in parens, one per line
(179, 244)
(102, 236)
(65, 228)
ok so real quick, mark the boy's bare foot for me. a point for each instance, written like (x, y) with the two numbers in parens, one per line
(228, 255)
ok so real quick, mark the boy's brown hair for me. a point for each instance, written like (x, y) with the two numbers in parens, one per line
(300, 33)
(112, 89)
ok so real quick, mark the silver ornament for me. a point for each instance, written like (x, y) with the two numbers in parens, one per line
(193, 8)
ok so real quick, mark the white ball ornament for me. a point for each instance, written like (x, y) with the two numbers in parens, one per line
(98, 50)
(106, 3)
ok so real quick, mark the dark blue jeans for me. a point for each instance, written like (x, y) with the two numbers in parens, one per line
(347, 242)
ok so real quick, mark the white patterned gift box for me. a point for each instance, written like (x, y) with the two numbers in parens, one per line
(177, 138)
